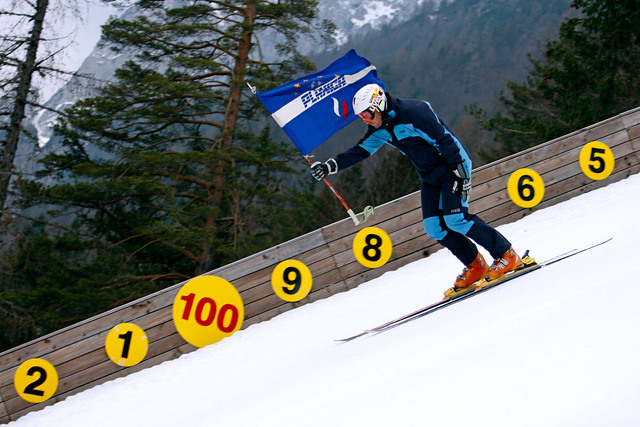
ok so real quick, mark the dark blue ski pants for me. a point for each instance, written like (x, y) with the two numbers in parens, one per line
(447, 219)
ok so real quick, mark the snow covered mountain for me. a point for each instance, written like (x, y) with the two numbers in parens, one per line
(355, 17)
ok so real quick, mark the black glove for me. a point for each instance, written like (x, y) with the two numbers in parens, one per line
(462, 183)
(320, 170)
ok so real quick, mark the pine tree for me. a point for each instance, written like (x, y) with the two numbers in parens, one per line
(168, 172)
(591, 72)
(18, 90)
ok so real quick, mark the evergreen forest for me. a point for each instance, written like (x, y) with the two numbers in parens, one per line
(174, 168)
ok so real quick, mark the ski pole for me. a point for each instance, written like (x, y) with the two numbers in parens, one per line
(368, 211)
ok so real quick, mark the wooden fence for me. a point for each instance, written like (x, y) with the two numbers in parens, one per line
(78, 352)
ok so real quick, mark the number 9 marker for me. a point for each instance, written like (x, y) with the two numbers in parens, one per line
(291, 280)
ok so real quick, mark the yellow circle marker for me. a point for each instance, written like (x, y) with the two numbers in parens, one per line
(526, 188)
(36, 380)
(372, 247)
(291, 280)
(596, 160)
(126, 344)
(206, 310)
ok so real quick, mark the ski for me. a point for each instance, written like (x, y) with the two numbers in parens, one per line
(482, 286)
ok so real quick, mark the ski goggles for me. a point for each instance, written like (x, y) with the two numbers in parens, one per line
(367, 115)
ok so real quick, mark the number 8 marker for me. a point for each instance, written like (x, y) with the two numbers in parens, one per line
(372, 247)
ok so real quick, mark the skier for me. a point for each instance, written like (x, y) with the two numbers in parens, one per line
(444, 166)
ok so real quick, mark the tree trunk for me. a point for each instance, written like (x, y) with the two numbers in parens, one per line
(25, 73)
(228, 127)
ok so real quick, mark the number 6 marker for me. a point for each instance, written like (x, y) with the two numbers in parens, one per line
(206, 310)
(526, 188)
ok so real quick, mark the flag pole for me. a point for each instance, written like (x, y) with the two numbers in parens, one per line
(368, 211)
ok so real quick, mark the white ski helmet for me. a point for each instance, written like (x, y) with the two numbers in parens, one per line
(370, 97)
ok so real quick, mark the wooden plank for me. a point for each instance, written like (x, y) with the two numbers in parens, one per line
(553, 159)
(419, 243)
(67, 365)
(383, 213)
(316, 295)
(611, 129)
(100, 339)
(78, 350)
(3, 398)
(571, 176)
(314, 259)
(67, 336)
(527, 158)
(319, 271)
(615, 177)
(271, 256)
(143, 365)
(4, 414)
(604, 129)
(261, 285)
(631, 118)
(271, 300)
(342, 251)
(634, 131)
(231, 271)
(553, 171)
(375, 273)
(75, 373)
(576, 185)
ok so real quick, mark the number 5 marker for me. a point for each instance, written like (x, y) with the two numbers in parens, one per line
(596, 160)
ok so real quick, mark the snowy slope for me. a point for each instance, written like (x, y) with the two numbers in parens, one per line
(558, 347)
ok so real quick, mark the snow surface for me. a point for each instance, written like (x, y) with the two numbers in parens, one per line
(373, 12)
(558, 347)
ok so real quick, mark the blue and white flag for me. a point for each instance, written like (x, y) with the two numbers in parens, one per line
(312, 108)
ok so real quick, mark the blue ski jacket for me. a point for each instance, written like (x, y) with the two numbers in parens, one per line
(413, 127)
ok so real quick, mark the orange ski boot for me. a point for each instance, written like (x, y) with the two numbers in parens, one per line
(472, 273)
(509, 261)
